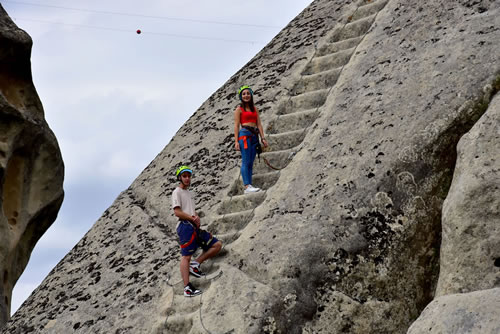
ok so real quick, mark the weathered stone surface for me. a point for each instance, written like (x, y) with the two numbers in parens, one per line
(472, 313)
(31, 167)
(363, 105)
(470, 247)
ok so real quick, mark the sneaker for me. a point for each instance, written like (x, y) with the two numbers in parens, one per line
(191, 291)
(195, 270)
(251, 189)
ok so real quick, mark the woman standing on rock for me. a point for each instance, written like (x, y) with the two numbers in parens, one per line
(246, 138)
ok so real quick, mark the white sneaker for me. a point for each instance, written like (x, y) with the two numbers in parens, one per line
(191, 291)
(251, 189)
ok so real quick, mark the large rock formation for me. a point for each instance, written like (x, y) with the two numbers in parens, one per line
(470, 247)
(473, 313)
(364, 104)
(31, 167)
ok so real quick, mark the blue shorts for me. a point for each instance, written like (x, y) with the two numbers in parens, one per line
(191, 239)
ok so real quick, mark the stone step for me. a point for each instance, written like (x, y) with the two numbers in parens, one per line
(368, 9)
(180, 305)
(292, 122)
(303, 102)
(328, 62)
(241, 203)
(277, 159)
(182, 322)
(317, 81)
(228, 238)
(234, 221)
(338, 46)
(263, 181)
(353, 29)
(285, 140)
(200, 283)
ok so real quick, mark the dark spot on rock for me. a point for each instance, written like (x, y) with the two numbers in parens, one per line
(497, 262)
(370, 175)
(76, 326)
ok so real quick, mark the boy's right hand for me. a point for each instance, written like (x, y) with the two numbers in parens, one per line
(237, 146)
(196, 221)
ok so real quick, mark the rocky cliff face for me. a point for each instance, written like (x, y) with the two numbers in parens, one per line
(363, 104)
(31, 167)
(468, 294)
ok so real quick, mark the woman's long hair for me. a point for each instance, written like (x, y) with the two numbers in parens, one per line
(248, 104)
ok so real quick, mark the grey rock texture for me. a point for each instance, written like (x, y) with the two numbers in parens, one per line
(470, 244)
(473, 313)
(31, 166)
(470, 247)
(363, 104)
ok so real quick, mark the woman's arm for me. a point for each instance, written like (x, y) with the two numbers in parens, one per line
(237, 113)
(261, 129)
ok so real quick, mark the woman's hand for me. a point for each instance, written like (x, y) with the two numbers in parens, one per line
(237, 146)
(264, 142)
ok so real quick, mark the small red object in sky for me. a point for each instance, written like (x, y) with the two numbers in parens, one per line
(138, 31)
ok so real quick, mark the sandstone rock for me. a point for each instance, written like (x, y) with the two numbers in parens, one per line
(470, 247)
(363, 106)
(474, 313)
(31, 167)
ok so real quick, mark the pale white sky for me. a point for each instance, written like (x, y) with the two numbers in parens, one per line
(115, 98)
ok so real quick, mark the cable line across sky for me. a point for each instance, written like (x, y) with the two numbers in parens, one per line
(141, 31)
(144, 16)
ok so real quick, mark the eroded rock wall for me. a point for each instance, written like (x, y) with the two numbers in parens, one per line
(470, 248)
(467, 291)
(31, 167)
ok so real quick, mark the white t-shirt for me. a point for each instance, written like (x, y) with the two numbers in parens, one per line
(182, 198)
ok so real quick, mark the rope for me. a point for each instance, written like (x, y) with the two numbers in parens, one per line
(269, 165)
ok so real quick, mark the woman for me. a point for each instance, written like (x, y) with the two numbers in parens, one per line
(246, 139)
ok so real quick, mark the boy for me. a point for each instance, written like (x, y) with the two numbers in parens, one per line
(190, 235)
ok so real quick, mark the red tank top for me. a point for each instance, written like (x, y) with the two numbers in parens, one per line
(248, 116)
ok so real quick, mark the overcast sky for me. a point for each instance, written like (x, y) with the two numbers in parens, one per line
(115, 98)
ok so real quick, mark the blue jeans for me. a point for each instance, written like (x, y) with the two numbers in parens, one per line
(247, 154)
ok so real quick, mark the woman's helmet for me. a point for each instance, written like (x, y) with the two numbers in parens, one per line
(183, 169)
(242, 88)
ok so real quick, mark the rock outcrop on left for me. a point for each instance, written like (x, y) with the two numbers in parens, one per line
(31, 166)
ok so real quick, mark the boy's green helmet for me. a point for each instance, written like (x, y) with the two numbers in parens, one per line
(242, 88)
(183, 169)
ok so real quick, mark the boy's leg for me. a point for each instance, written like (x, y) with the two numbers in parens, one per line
(185, 260)
(211, 252)
(187, 237)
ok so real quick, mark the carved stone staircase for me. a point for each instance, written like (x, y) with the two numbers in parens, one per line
(285, 132)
